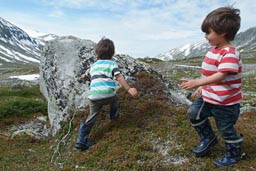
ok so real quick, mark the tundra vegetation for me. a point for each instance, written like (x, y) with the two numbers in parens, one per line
(151, 133)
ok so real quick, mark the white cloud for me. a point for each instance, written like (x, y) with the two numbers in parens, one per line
(56, 13)
(170, 35)
(247, 13)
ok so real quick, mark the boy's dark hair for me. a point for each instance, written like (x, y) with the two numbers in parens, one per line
(105, 49)
(223, 20)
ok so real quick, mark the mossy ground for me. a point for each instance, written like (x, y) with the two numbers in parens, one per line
(147, 125)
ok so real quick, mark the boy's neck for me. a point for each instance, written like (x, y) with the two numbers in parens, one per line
(223, 45)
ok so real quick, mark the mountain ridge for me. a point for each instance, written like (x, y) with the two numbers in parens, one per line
(17, 47)
(245, 42)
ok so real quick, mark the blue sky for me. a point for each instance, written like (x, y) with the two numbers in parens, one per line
(138, 28)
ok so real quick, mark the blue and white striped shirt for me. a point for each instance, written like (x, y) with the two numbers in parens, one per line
(102, 74)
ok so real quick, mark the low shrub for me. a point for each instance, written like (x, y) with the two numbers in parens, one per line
(22, 107)
(28, 92)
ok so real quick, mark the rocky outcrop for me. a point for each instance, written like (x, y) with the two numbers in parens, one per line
(61, 65)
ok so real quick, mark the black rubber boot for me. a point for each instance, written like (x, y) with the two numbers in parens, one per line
(232, 156)
(207, 138)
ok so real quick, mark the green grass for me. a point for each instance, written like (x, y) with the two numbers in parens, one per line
(196, 61)
(26, 92)
(249, 60)
(146, 125)
(20, 69)
(249, 82)
(22, 107)
(21, 102)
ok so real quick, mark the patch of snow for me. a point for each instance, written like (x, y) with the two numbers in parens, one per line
(6, 50)
(47, 37)
(34, 33)
(27, 58)
(27, 77)
(2, 39)
(185, 49)
(40, 35)
(15, 55)
(7, 60)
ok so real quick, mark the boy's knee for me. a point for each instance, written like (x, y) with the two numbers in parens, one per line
(192, 112)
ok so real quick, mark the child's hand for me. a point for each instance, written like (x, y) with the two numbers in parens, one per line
(198, 92)
(83, 76)
(188, 83)
(133, 91)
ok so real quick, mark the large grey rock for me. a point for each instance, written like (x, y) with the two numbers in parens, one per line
(60, 83)
(61, 64)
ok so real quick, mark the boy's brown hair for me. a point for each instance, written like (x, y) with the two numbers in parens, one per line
(223, 20)
(105, 49)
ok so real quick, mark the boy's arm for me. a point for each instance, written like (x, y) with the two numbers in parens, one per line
(84, 76)
(217, 77)
(122, 81)
(85, 73)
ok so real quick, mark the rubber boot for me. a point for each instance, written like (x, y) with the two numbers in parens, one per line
(232, 155)
(82, 138)
(207, 138)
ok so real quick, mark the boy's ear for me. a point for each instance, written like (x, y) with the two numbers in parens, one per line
(223, 34)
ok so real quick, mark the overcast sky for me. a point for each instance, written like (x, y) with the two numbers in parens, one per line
(138, 28)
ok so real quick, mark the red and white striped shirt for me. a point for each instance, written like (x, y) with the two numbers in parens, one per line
(228, 91)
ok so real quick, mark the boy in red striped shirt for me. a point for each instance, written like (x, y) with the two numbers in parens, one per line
(219, 88)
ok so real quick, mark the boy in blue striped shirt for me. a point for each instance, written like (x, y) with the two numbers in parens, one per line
(102, 89)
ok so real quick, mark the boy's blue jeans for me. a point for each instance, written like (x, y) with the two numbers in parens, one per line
(225, 117)
(95, 108)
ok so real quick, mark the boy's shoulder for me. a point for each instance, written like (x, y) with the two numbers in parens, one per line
(231, 50)
(105, 61)
(225, 50)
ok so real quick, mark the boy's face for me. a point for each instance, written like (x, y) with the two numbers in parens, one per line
(215, 39)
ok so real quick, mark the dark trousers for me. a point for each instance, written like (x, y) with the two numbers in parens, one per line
(225, 118)
(95, 108)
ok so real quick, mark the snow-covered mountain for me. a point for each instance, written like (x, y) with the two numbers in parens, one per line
(17, 47)
(40, 35)
(244, 41)
(185, 51)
